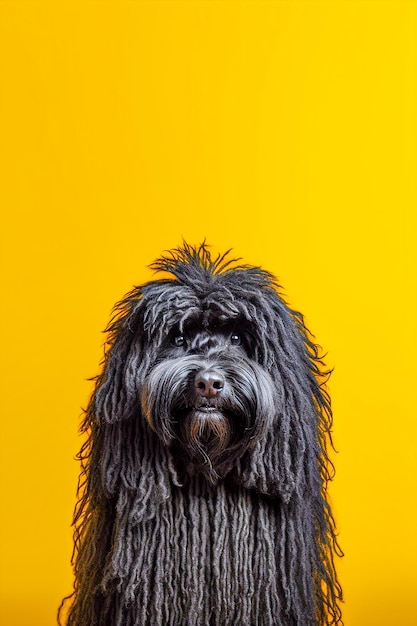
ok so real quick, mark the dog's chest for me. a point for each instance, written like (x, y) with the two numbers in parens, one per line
(212, 551)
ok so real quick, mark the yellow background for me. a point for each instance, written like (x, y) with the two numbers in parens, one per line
(286, 130)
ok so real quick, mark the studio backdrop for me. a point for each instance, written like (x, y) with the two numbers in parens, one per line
(285, 130)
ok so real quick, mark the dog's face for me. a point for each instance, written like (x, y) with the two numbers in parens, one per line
(205, 394)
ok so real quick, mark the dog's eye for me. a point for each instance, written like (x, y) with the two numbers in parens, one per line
(178, 340)
(235, 339)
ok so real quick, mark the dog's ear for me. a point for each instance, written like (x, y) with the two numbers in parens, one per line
(292, 456)
(116, 388)
(123, 457)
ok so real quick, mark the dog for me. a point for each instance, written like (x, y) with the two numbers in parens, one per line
(202, 494)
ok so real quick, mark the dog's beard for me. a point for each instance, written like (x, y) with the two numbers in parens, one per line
(208, 435)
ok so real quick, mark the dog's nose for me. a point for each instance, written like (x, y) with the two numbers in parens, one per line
(209, 383)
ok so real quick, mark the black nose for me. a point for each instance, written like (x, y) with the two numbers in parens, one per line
(208, 383)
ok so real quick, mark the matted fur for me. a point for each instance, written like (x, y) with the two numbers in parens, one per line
(206, 508)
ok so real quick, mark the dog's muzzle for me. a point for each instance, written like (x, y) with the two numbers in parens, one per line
(214, 409)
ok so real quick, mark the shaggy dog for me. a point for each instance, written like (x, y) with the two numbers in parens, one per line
(203, 485)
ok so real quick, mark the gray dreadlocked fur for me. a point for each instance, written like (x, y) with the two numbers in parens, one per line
(206, 508)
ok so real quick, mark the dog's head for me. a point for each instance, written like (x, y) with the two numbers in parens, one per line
(217, 365)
